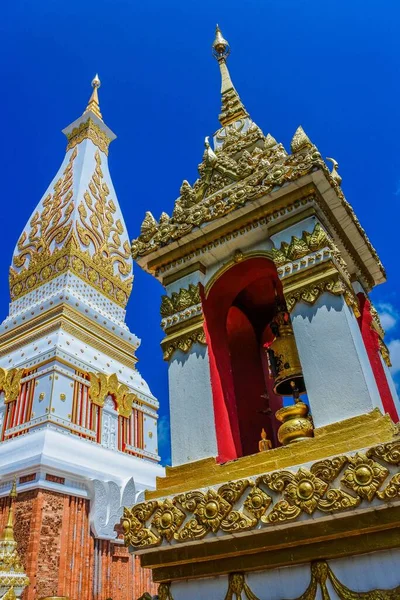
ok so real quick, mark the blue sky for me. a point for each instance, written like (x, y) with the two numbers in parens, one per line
(332, 67)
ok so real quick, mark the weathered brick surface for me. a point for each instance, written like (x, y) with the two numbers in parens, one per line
(62, 558)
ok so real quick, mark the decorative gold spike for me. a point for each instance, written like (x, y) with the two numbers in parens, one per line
(8, 533)
(300, 140)
(232, 107)
(93, 104)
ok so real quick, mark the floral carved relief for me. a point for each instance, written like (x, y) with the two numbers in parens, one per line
(328, 486)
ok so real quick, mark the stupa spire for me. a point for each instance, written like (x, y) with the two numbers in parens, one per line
(232, 106)
(93, 104)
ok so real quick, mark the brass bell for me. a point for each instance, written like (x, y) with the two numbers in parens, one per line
(284, 357)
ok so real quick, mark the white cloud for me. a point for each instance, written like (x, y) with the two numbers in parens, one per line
(388, 315)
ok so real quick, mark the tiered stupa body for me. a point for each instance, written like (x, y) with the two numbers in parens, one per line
(267, 272)
(79, 423)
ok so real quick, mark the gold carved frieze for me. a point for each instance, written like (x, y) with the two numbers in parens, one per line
(299, 247)
(10, 383)
(102, 385)
(330, 486)
(180, 308)
(309, 289)
(183, 340)
(257, 172)
(89, 130)
(179, 301)
(89, 246)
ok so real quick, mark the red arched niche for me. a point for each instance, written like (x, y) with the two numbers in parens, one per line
(237, 312)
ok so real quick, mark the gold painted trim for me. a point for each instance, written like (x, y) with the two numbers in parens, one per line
(352, 534)
(91, 131)
(183, 340)
(336, 438)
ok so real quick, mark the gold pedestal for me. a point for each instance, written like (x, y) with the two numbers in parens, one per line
(295, 425)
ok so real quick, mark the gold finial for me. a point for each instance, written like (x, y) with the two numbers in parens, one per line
(232, 107)
(8, 533)
(221, 48)
(93, 104)
(13, 492)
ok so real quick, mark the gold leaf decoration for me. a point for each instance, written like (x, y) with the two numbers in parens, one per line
(329, 469)
(88, 130)
(257, 502)
(364, 476)
(167, 519)
(192, 515)
(183, 342)
(164, 591)
(181, 300)
(238, 588)
(10, 383)
(89, 246)
(390, 453)
(300, 140)
(102, 385)
(392, 490)
(299, 247)
(134, 525)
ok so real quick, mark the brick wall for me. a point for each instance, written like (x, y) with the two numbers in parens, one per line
(62, 558)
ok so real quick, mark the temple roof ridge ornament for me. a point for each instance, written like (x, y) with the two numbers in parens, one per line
(232, 106)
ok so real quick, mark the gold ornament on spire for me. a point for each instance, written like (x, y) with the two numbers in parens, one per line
(93, 104)
(13, 579)
(232, 107)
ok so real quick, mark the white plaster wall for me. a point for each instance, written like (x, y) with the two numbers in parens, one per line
(360, 573)
(191, 406)
(150, 434)
(338, 375)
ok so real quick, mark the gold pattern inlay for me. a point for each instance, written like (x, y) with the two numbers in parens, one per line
(89, 130)
(54, 247)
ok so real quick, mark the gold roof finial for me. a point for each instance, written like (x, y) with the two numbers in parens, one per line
(93, 104)
(8, 533)
(221, 48)
(232, 107)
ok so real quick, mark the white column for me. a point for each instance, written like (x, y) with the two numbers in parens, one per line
(338, 375)
(191, 406)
